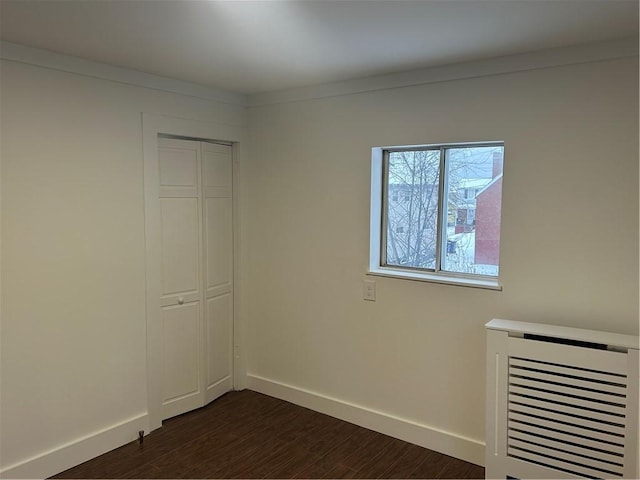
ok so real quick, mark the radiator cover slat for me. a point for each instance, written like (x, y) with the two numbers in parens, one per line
(574, 447)
(549, 373)
(615, 448)
(582, 430)
(567, 414)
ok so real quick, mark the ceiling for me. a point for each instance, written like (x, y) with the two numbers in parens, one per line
(252, 47)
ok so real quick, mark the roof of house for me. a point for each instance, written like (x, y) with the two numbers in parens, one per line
(473, 182)
(498, 177)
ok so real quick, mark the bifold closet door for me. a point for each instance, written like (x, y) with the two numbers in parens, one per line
(197, 251)
(218, 278)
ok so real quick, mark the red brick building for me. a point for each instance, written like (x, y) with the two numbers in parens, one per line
(488, 202)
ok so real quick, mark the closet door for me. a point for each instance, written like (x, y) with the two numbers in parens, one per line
(181, 298)
(218, 277)
(196, 210)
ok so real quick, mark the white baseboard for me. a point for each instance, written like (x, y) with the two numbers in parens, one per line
(429, 437)
(78, 451)
(85, 448)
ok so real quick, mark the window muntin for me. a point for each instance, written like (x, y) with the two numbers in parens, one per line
(450, 221)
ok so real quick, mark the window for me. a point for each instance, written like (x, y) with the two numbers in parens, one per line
(450, 219)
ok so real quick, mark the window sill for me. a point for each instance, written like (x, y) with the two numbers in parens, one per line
(488, 284)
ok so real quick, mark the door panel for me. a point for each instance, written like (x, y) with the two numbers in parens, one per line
(180, 253)
(219, 339)
(217, 165)
(178, 166)
(180, 325)
(219, 241)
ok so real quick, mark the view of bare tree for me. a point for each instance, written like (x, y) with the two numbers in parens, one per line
(412, 211)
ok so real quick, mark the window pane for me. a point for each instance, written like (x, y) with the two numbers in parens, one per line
(412, 211)
(474, 197)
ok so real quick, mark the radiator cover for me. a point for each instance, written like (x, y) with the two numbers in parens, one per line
(561, 402)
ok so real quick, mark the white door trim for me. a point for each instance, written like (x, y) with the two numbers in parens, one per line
(152, 126)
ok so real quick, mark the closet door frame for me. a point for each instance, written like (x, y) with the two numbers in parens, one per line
(152, 126)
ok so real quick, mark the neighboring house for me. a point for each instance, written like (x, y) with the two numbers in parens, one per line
(488, 202)
(465, 203)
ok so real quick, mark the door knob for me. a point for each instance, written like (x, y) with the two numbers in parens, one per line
(180, 300)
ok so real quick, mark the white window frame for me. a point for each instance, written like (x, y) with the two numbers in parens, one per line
(377, 224)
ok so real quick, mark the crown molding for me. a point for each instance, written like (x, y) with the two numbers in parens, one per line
(55, 61)
(586, 53)
(556, 57)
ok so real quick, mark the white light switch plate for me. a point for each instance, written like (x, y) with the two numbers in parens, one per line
(370, 290)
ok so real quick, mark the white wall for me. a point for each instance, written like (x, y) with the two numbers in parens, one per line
(569, 251)
(73, 255)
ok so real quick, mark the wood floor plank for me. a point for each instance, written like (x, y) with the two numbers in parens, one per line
(406, 463)
(370, 449)
(298, 459)
(325, 434)
(339, 471)
(432, 465)
(345, 450)
(380, 463)
(322, 468)
(459, 469)
(250, 435)
(238, 460)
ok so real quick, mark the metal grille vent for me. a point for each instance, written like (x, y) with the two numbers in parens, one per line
(568, 418)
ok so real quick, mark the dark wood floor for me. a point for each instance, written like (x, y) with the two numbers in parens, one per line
(250, 435)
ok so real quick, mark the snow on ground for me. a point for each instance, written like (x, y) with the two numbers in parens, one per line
(462, 261)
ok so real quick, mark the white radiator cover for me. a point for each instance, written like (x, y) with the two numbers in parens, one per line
(561, 402)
